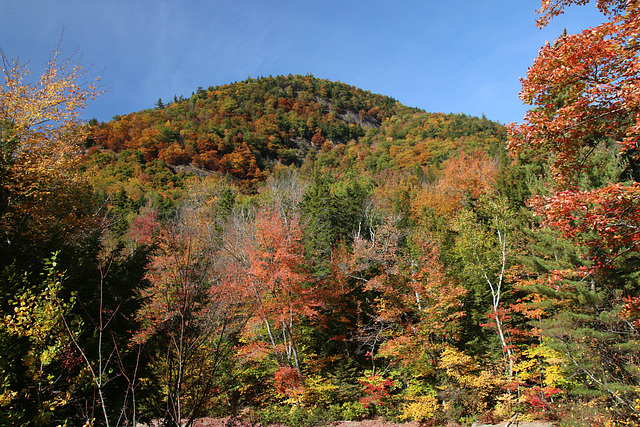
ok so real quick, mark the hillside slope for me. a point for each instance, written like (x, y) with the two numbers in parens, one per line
(244, 129)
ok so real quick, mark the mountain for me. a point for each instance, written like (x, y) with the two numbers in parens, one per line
(244, 129)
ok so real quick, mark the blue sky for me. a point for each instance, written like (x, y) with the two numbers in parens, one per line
(453, 56)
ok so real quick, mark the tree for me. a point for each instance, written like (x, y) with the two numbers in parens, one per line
(270, 273)
(40, 131)
(331, 211)
(584, 89)
(37, 318)
(487, 247)
(45, 208)
(464, 177)
(187, 318)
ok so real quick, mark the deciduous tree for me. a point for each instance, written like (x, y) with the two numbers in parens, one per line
(40, 132)
(187, 317)
(584, 88)
(270, 273)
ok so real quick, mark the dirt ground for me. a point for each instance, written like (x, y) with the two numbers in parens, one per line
(226, 422)
(517, 424)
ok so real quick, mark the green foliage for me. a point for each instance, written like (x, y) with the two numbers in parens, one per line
(331, 210)
(353, 411)
(297, 416)
(38, 325)
(124, 183)
(486, 246)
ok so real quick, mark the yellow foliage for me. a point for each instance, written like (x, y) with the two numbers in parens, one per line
(420, 409)
(44, 116)
(40, 131)
(7, 397)
(552, 365)
(468, 372)
(315, 391)
(505, 405)
(39, 317)
(527, 368)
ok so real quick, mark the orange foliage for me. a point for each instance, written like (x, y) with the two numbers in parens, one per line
(463, 177)
(585, 87)
(40, 133)
(414, 293)
(241, 163)
(268, 273)
(551, 8)
(175, 154)
(288, 381)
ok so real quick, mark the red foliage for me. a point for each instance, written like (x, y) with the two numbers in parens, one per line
(537, 397)
(144, 227)
(287, 380)
(606, 219)
(586, 89)
(377, 390)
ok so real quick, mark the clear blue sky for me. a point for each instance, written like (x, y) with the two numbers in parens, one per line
(453, 56)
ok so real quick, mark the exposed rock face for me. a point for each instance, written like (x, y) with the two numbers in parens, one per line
(200, 173)
(350, 116)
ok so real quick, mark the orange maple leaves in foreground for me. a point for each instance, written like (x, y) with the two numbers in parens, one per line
(586, 90)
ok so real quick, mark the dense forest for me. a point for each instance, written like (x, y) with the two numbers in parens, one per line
(294, 250)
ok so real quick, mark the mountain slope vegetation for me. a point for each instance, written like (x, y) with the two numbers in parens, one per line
(243, 129)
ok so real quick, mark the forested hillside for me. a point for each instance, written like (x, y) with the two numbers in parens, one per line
(293, 250)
